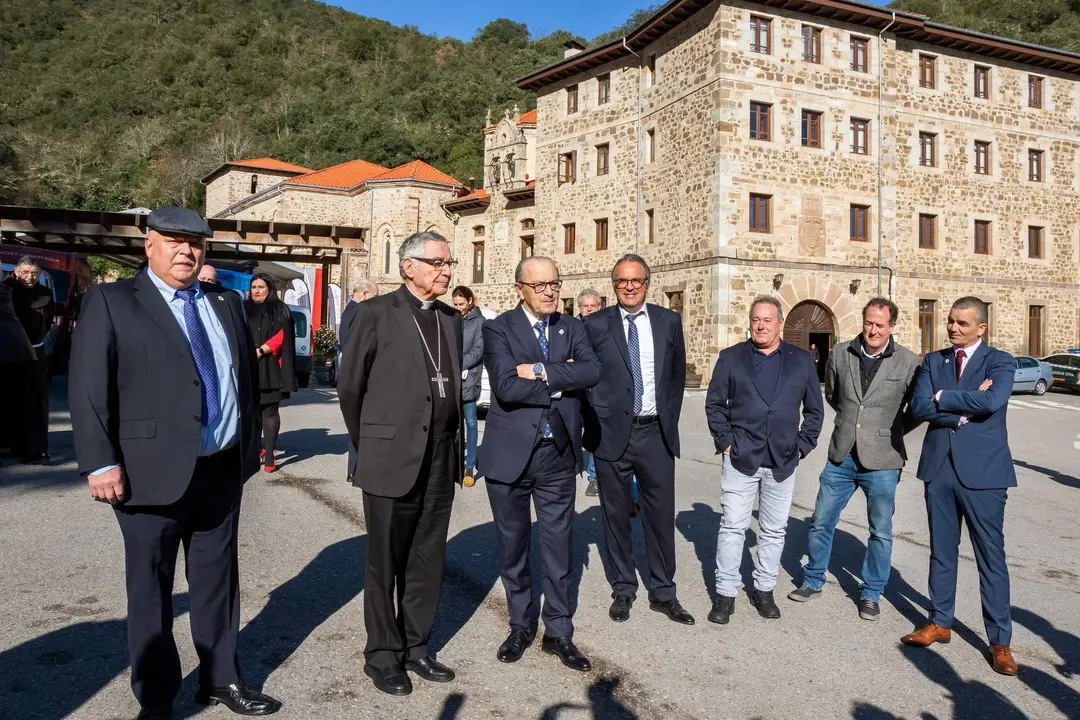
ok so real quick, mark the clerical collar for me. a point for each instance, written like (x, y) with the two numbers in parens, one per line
(417, 302)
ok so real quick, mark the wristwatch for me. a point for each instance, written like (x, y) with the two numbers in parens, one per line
(538, 371)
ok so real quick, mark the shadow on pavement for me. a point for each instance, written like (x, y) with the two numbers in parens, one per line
(1058, 477)
(296, 445)
(52, 675)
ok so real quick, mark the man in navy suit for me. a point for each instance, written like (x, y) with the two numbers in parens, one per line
(632, 428)
(539, 362)
(963, 392)
(753, 411)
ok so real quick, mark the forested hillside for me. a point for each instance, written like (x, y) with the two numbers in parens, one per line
(106, 104)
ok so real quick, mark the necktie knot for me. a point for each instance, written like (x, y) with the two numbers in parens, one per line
(960, 354)
(186, 294)
(540, 326)
(634, 316)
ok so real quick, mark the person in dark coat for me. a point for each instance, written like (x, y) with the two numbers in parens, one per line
(364, 289)
(472, 367)
(33, 305)
(20, 424)
(275, 347)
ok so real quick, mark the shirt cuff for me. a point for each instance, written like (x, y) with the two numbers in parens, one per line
(937, 396)
(105, 469)
(963, 420)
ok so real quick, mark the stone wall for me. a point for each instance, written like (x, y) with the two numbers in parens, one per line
(234, 185)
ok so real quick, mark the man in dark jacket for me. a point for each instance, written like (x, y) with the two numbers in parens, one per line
(758, 392)
(21, 421)
(33, 305)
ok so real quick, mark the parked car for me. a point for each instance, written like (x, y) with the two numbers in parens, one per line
(1032, 375)
(1066, 369)
(302, 328)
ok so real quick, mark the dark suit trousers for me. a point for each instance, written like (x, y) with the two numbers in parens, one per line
(406, 553)
(205, 520)
(549, 481)
(648, 458)
(983, 511)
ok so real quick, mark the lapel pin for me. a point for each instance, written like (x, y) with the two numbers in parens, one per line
(561, 331)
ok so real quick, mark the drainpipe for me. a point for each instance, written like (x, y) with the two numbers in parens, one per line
(881, 151)
(637, 155)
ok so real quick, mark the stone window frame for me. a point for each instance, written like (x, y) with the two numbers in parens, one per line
(826, 125)
(990, 76)
(936, 62)
(849, 137)
(651, 149)
(938, 168)
(1044, 147)
(1035, 86)
(768, 106)
(868, 221)
(940, 237)
(770, 209)
(820, 30)
(770, 39)
(648, 71)
(994, 159)
(1047, 240)
(869, 68)
(595, 218)
(573, 99)
(1047, 99)
(599, 85)
(606, 145)
(1045, 304)
(567, 237)
(650, 225)
(995, 234)
(935, 321)
(677, 287)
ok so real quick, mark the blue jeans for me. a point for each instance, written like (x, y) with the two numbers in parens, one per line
(470, 435)
(590, 464)
(836, 485)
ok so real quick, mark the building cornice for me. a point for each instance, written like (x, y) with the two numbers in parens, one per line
(903, 24)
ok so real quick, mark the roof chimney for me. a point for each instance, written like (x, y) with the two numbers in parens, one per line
(572, 47)
(472, 184)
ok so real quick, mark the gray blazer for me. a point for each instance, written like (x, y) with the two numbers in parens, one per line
(877, 421)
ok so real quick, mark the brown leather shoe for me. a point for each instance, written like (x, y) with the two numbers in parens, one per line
(1002, 660)
(927, 635)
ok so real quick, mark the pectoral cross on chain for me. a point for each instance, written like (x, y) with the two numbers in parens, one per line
(439, 378)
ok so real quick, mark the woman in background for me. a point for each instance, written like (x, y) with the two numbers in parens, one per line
(275, 347)
(472, 367)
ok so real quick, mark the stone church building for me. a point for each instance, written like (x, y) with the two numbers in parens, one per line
(822, 151)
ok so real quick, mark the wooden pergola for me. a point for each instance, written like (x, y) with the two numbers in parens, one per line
(121, 234)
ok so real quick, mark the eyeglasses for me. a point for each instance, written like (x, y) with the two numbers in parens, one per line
(437, 263)
(540, 287)
(631, 283)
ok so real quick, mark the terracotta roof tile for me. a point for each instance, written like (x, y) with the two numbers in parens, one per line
(269, 163)
(417, 170)
(346, 175)
(477, 194)
(527, 118)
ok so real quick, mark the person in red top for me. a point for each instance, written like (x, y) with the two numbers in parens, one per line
(272, 328)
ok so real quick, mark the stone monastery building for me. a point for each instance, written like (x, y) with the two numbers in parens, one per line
(815, 150)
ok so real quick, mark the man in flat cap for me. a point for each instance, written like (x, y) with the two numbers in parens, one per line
(163, 395)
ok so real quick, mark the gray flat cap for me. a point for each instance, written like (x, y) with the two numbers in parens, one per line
(179, 221)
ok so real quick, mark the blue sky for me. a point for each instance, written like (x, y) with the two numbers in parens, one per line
(586, 18)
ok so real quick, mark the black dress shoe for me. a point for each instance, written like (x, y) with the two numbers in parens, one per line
(766, 606)
(722, 607)
(673, 610)
(391, 680)
(514, 646)
(430, 669)
(158, 712)
(564, 649)
(620, 609)
(239, 698)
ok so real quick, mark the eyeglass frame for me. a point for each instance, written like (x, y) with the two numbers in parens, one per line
(540, 287)
(625, 283)
(436, 263)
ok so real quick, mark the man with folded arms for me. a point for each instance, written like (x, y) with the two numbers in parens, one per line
(963, 393)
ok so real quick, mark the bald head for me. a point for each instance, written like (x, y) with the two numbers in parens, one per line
(364, 289)
(208, 274)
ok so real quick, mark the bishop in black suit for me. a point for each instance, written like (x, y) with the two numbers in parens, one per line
(400, 394)
(163, 394)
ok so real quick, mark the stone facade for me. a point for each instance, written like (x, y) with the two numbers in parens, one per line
(681, 151)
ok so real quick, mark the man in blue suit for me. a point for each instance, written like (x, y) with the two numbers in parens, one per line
(963, 392)
(539, 363)
(758, 392)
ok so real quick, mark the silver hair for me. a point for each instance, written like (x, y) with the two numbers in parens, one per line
(631, 257)
(27, 260)
(414, 246)
(588, 292)
(768, 300)
(519, 271)
(365, 285)
(970, 302)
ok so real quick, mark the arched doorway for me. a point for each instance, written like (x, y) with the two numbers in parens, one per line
(810, 325)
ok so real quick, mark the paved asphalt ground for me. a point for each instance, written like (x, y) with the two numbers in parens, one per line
(62, 639)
